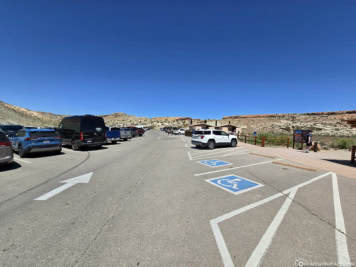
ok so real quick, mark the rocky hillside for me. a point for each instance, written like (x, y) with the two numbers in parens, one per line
(10, 114)
(322, 123)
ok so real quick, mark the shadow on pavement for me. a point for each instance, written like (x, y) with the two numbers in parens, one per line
(10, 167)
(43, 155)
(342, 162)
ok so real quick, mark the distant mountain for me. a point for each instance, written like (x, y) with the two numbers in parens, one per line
(10, 114)
(322, 123)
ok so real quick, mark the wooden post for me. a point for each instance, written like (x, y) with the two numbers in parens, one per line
(263, 141)
(353, 155)
(255, 140)
(293, 141)
(288, 143)
(245, 139)
(315, 146)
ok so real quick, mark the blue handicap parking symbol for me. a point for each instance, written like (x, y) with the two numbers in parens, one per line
(234, 184)
(214, 163)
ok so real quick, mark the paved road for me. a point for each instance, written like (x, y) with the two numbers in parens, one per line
(156, 201)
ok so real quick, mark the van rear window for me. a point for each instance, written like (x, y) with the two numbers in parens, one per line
(43, 134)
(92, 124)
(115, 129)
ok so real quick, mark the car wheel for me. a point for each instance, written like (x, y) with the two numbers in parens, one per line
(211, 144)
(22, 153)
(233, 143)
(75, 146)
(114, 142)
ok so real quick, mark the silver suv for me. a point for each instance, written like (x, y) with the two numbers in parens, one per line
(6, 153)
(213, 138)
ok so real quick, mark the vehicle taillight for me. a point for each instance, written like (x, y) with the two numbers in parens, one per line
(27, 139)
(5, 143)
(202, 137)
(81, 136)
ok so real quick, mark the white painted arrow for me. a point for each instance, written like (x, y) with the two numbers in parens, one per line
(83, 179)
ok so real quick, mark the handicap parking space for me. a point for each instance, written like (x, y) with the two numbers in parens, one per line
(214, 163)
(234, 184)
(267, 214)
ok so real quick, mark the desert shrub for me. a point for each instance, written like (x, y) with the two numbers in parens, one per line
(343, 143)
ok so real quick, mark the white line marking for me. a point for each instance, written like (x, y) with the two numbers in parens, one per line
(229, 169)
(235, 193)
(229, 154)
(16, 158)
(186, 145)
(54, 192)
(228, 163)
(265, 242)
(183, 139)
(234, 154)
(343, 256)
(212, 153)
(224, 252)
(218, 150)
(190, 157)
(83, 179)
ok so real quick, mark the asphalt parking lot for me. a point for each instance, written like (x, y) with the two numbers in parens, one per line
(158, 201)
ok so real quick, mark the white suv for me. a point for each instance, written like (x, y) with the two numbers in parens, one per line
(213, 138)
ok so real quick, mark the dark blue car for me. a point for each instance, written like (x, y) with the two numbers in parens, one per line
(36, 140)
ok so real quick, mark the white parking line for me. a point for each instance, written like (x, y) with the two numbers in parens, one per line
(16, 158)
(265, 242)
(214, 153)
(234, 154)
(183, 139)
(218, 150)
(190, 157)
(343, 256)
(240, 167)
(229, 154)
(224, 252)
(186, 145)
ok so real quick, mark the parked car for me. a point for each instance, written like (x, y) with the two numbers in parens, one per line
(36, 140)
(11, 130)
(134, 131)
(82, 131)
(140, 131)
(125, 133)
(181, 131)
(6, 152)
(112, 134)
(213, 138)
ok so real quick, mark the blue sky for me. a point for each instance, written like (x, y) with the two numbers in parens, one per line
(202, 59)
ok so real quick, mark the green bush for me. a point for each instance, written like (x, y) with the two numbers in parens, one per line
(343, 143)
